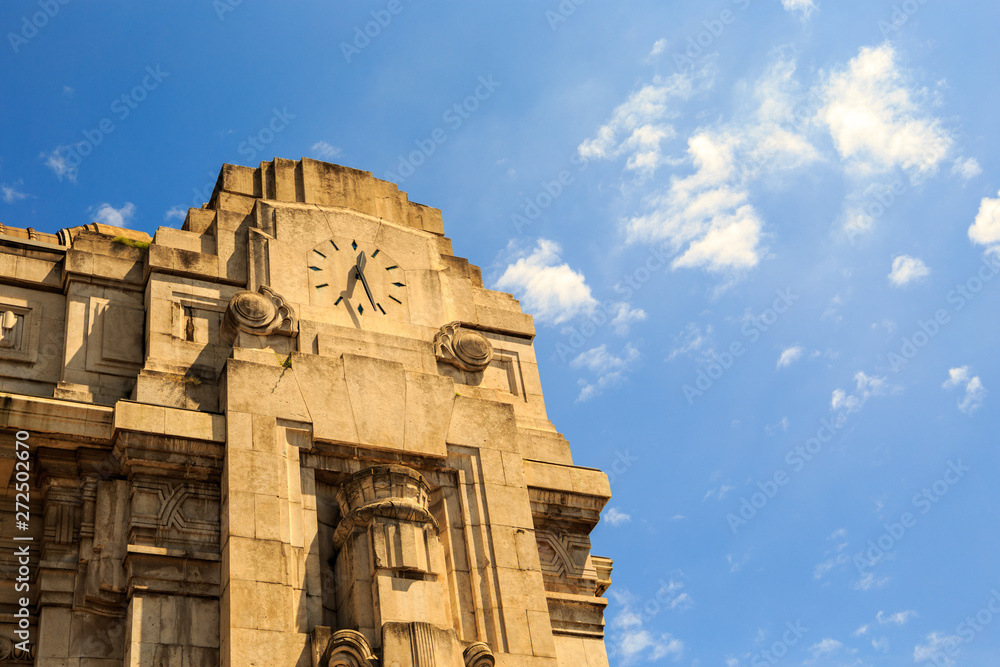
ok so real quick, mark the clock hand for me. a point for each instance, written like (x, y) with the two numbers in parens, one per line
(361, 275)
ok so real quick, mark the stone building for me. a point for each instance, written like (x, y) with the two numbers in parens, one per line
(297, 431)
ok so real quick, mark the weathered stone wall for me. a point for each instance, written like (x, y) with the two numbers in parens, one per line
(297, 431)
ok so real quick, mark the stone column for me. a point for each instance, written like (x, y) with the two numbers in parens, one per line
(389, 566)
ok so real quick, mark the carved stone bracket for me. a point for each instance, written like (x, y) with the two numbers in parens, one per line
(262, 313)
(396, 510)
(348, 648)
(389, 491)
(465, 349)
(479, 655)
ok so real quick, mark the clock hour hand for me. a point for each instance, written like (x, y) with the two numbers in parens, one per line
(361, 275)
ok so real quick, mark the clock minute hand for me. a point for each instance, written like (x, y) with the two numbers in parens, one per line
(362, 260)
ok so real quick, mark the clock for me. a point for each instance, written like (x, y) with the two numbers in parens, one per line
(357, 277)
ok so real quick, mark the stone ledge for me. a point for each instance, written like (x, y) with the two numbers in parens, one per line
(566, 478)
(174, 422)
(51, 415)
(171, 553)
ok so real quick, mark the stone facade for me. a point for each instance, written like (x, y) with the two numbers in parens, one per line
(297, 431)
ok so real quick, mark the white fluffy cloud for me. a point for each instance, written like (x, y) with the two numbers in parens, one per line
(825, 647)
(672, 596)
(693, 342)
(325, 151)
(899, 618)
(109, 215)
(966, 168)
(906, 269)
(807, 7)
(549, 288)
(609, 368)
(10, 193)
(704, 216)
(789, 356)
(639, 125)
(707, 216)
(176, 213)
(659, 46)
(624, 316)
(937, 649)
(629, 640)
(876, 118)
(986, 228)
(869, 581)
(975, 392)
(59, 163)
(616, 517)
(866, 386)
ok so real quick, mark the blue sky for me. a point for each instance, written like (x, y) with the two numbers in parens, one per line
(756, 236)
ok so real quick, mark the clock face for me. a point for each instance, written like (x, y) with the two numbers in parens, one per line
(356, 277)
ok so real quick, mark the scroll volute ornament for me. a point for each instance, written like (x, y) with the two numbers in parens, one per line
(479, 655)
(262, 313)
(463, 348)
(348, 648)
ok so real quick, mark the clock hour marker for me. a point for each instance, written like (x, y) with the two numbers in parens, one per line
(395, 299)
(315, 268)
(354, 245)
(361, 310)
(323, 285)
(380, 308)
(339, 299)
(334, 245)
(319, 253)
(376, 252)
(399, 284)
(390, 268)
